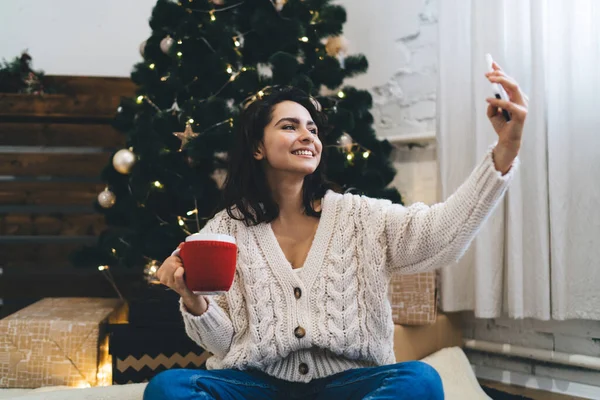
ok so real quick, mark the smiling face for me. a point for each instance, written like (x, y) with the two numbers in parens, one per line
(291, 142)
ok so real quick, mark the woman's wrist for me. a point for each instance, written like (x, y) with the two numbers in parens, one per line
(504, 154)
(195, 304)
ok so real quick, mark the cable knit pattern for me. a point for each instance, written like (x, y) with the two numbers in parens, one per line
(343, 306)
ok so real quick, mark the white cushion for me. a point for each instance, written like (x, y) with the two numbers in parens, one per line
(451, 363)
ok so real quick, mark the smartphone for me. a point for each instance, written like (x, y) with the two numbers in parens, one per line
(497, 88)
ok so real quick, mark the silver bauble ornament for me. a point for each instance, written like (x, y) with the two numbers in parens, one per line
(143, 48)
(106, 198)
(123, 161)
(166, 44)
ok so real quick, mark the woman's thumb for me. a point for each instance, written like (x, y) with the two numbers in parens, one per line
(180, 282)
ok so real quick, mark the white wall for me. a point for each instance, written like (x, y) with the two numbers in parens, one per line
(399, 39)
(74, 37)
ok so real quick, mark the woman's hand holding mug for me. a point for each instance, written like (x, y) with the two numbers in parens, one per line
(171, 274)
(203, 265)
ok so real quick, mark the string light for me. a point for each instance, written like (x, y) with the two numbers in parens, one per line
(151, 66)
(180, 221)
(104, 374)
(158, 185)
(179, 54)
(213, 11)
(244, 69)
(304, 39)
(237, 43)
(341, 94)
(229, 70)
(106, 273)
(261, 93)
(191, 121)
(164, 78)
(350, 148)
(150, 271)
(212, 16)
(179, 41)
(147, 100)
(192, 212)
(114, 251)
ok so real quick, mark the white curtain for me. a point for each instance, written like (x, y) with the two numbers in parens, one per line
(538, 255)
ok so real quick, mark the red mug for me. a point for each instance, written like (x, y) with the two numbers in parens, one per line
(209, 261)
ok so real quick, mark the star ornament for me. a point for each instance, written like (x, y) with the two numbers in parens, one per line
(185, 136)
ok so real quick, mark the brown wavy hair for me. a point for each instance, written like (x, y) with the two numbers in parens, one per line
(246, 193)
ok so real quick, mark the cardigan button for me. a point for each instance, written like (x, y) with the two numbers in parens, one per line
(297, 292)
(303, 369)
(299, 332)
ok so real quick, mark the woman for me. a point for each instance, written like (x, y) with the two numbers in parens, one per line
(307, 315)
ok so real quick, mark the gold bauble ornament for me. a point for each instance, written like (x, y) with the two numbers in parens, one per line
(106, 198)
(166, 44)
(336, 45)
(123, 161)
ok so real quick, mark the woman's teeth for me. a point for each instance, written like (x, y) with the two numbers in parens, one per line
(302, 153)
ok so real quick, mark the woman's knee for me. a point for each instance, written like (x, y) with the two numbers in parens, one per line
(168, 384)
(428, 381)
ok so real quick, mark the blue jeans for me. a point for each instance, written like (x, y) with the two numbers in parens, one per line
(407, 380)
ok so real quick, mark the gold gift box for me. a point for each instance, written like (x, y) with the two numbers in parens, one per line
(58, 341)
(413, 298)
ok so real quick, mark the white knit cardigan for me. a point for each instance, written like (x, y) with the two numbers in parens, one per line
(342, 303)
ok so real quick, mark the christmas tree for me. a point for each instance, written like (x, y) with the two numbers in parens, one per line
(18, 76)
(203, 62)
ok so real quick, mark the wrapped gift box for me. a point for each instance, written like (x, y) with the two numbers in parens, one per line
(154, 340)
(58, 341)
(141, 351)
(413, 298)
